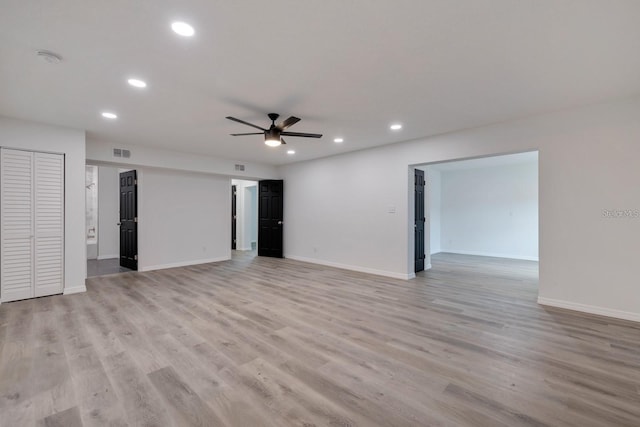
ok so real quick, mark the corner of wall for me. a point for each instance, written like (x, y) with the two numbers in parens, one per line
(74, 289)
(590, 309)
(391, 274)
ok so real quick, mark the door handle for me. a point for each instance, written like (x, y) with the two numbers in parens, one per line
(280, 223)
(119, 224)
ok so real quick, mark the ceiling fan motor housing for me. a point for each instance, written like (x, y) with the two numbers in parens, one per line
(273, 133)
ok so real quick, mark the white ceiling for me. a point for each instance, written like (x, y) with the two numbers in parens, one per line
(348, 68)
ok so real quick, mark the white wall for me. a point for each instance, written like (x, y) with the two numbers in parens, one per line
(101, 153)
(183, 218)
(433, 209)
(349, 211)
(587, 162)
(37, 137)
(108, 213)
(491, 211)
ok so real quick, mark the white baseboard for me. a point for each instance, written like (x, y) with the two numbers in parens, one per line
(243, 249)
(391, 274)
(591, 309)
(490, 254)
(183, 263)
(428, 267)
(101, 257)
(74, 290)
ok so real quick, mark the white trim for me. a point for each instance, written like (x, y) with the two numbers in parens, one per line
(183, 263)
(243, 249)
(101, 257)
(490, 254)
(591, 309)
(428, 267)
(74, 290)
(391, 274)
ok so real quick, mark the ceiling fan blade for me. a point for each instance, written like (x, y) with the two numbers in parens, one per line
(302, 135)
(245, 123)
(288, 123)
(250, 133)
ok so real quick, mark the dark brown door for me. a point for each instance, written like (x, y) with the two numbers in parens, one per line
(419, 220)
(234, 212)
(129, 220)
(270, 210)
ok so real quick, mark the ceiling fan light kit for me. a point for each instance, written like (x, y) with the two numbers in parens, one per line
(273, 135)
(272, 139)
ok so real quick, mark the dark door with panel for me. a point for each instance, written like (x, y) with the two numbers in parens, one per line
(419, 220)
(129, 220)
(270, 212)
(234, 212)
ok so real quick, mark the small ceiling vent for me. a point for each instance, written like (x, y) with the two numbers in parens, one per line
(121, 152)
(240, 167)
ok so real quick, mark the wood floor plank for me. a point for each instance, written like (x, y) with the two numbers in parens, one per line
(276, 342)
(98, 402)
(49, 382)
(141, 401)
(68, 418)
(184, 403)
(236, 409)
(316, 409)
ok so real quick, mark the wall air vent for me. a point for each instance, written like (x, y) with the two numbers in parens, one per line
(117, 152)
(126, 154)
(240, 167)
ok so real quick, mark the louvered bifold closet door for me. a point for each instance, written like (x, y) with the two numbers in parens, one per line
(16, 229)
(49, 223)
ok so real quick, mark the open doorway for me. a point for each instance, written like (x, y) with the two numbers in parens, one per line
(479, 212)
(103, 222)
(244, 216)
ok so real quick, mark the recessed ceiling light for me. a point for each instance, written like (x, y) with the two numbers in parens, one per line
(183, 29)
(137, 83)
(291, 152)
(338, 140)
(109, 115)
(395, 126)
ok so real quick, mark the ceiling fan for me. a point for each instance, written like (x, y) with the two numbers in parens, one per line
(273, 135)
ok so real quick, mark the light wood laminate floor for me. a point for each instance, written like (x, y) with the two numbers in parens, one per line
(270, 342)
(103, 267)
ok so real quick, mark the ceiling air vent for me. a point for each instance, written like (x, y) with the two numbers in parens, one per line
(240, 167)
(120, 152)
